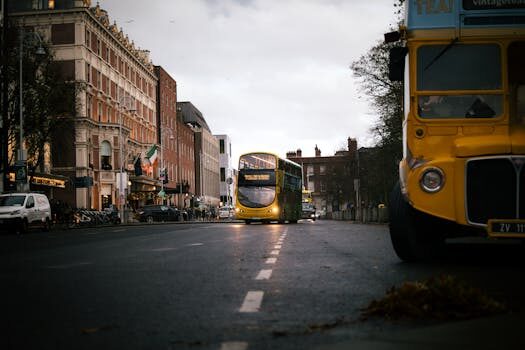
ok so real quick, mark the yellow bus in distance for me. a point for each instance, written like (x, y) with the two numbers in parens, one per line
(268, 189)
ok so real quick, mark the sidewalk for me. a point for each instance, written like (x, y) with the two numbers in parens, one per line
(502, 332)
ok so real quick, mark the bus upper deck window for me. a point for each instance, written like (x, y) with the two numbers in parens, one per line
(459, 67)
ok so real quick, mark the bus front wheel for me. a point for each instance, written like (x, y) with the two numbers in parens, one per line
(415, 236)
(247, 222)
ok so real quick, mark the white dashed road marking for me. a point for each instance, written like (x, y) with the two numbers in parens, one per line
(277, 246)
(271, 260)
(252, 301)
(274, 252)
(234, 345)
(264, 275)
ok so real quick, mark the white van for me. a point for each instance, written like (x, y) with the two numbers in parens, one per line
(19, 211)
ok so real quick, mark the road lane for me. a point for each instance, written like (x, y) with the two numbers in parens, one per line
(182, 286)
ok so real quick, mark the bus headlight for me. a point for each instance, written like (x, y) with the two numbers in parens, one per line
(237, 210)
(275, 210)
(432, 180)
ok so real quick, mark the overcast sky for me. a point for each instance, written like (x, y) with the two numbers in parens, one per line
(272, 74)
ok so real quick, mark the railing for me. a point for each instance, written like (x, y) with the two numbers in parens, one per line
(363, 215)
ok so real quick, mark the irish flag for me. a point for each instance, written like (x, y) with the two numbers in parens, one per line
(152, 154)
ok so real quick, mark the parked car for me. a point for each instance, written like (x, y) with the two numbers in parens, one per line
(19, 211)
(152, 213)
(226, 213)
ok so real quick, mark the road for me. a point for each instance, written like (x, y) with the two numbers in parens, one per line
(219, 286)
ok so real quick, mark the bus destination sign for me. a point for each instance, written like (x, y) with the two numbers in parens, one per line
(493, 4)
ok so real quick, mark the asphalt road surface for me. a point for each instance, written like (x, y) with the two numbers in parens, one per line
(220, 286)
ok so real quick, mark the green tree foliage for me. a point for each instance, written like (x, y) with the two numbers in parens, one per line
(49, 96)
(378, 167)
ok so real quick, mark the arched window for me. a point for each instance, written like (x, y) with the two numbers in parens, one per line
(105, 155)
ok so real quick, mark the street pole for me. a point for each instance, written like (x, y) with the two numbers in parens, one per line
(4, 156)
(161, 165)
(121, 182)
(22, 154)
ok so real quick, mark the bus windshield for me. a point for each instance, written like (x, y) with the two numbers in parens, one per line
(256, 197)
(455, 68)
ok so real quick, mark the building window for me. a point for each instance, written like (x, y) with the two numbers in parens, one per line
(88, 38)
(88, 72)
(99, 80)
(322, 169)
(99, 111)
(88, 106)
(310, 170)
(105, 155)
(221, 146)
(223, 174)
(98, 47)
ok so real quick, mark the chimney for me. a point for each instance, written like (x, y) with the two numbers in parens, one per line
(290, 155)
(317, 151)
(352, 146)
(299, 152)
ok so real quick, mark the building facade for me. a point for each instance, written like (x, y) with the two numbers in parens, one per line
(206, 155)
(226, 174)
(116, 121)
(330, 179)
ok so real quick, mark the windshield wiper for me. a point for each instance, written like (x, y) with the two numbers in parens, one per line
(445, 49)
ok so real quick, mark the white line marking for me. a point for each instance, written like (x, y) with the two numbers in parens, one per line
(264, 275)
(234, 345)
(271, 260)
(119, 230)
(252, 301)
(162, 249)
(274, 252)
(277, 246)
(194, 244)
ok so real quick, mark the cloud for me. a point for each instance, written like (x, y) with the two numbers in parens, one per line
(273, 75)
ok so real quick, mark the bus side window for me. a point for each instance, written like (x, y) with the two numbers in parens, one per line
(520, 103)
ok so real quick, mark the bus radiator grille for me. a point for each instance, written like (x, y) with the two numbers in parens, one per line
(495, 188)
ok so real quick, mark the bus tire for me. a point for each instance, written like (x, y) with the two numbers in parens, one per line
(247, 222)
(415, 236)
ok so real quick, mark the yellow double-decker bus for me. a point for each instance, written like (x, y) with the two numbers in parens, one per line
(268, 189)
(308, 207)
(462, 172)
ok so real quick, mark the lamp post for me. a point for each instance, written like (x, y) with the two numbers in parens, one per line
(162, 167)
(22, 182)
(122, 179)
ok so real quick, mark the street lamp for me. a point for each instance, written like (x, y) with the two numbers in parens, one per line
(22, 153)
(162, 168)
(122, 179)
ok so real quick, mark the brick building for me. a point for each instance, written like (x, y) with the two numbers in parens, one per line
(176, 143)
(330, 178)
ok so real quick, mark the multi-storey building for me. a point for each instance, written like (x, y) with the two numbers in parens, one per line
(330, 179)
(225, 170)
(176, 140)
(116, 123)
(206, 155)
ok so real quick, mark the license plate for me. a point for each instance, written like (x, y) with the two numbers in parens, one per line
(506, 228)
